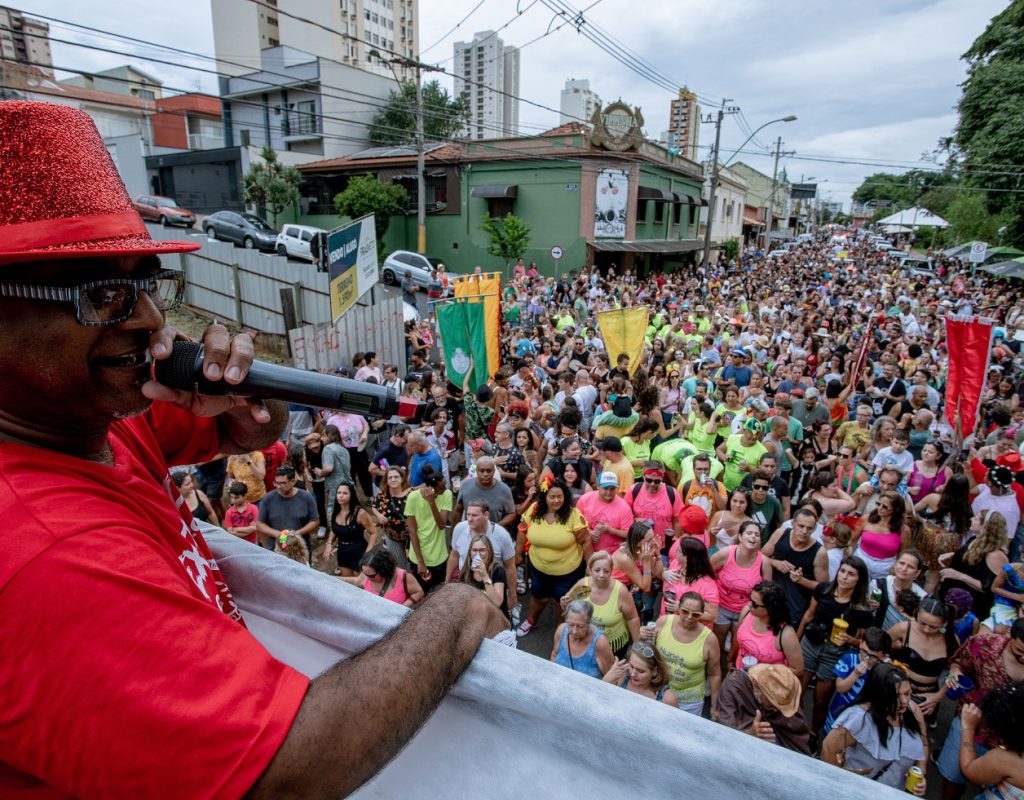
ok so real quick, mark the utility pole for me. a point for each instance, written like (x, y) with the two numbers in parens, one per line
(714, 181)
(771, 198)
(421, 190)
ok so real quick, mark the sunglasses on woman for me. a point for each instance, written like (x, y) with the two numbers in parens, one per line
(643, 649)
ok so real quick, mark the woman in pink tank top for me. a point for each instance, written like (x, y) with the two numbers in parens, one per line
(881, 535)
(380, 575)
(765, 632)
(738, 569)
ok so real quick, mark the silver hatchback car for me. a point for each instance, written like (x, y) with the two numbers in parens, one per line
(392, 271)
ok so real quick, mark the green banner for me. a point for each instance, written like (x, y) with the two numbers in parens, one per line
(463, 335)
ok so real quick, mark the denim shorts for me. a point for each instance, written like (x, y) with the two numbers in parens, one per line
(726, 617)
(949, 758)
(554, 587)
(820, 659)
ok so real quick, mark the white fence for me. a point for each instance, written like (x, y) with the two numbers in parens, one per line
(232, 283)
(245, 285)
(379, 328)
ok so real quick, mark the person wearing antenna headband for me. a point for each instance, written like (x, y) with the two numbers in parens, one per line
(101, 545)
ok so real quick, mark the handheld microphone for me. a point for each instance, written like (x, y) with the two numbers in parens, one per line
(183, 369)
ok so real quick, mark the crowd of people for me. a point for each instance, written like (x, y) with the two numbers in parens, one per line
(766, 506)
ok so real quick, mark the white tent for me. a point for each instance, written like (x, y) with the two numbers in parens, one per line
(897, 229)
(915, 217)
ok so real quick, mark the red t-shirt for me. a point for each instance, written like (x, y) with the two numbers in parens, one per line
(126, 669)
(233, 518)
(273, 457)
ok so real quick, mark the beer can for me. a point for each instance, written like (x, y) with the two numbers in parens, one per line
(876, 594)
(914, 778)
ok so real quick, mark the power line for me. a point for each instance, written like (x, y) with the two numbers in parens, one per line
(454, 28)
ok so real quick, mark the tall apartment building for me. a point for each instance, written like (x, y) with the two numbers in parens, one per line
(25, 40)
(684, 124)
(241, 29)
(482, 66)
(578, 101)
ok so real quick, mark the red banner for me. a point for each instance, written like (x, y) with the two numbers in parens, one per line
(968, 340)
(862, 352)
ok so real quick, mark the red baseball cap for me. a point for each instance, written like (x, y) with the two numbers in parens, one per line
(693, 520)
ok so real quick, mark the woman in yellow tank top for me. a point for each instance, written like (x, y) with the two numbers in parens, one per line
(691, 654)
(615, 613)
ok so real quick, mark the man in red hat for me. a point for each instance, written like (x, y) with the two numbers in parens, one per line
(127, 669)
(654, 500)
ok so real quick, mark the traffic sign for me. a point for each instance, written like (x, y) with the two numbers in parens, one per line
(979, 252)
(556, 252)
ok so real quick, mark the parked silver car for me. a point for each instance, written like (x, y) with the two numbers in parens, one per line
(392, 271)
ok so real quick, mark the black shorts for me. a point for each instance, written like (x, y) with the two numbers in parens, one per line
(437, 575)
(554, 587)
(210, 478)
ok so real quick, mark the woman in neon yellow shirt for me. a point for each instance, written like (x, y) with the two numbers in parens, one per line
(559, 546)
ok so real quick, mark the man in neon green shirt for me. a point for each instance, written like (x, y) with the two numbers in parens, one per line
(741, 452)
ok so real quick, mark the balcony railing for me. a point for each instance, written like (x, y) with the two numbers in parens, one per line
(205, 141)
(300, 123)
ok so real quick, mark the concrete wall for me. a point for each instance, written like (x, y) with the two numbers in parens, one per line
(128, 155)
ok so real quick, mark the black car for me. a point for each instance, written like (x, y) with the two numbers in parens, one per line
(247, 230)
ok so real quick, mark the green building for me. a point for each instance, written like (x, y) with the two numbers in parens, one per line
(600, 193)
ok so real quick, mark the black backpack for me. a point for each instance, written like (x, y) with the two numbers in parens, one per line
(669, 489)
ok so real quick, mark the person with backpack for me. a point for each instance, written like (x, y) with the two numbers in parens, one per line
(702, 490)
(657, 501)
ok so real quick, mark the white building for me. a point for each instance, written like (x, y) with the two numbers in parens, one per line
(578, 101)
(127, 80)
(25, 40)
(294, 104)
(728, 218)
(242, 29)
(481, 67)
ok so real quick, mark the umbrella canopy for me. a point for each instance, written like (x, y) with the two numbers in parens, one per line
(1014, 268)
(915, 217)
(897, 229)
(959, 251)
(1000, 254)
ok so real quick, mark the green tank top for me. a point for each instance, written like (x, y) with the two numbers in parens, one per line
(608, 618)
(685, 663)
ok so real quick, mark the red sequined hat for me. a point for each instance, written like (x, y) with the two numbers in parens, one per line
(60, 194)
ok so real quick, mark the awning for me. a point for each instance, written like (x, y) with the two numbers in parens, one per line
(647, 193)
(505, 191)
(689, 199)
(647, 245)
(748, 220)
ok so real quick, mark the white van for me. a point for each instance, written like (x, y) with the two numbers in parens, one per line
(293, 241)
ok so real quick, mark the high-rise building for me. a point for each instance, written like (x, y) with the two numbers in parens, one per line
(25, 40)
(578, 101)
(684, 124)
(487, 72)
(350, 30)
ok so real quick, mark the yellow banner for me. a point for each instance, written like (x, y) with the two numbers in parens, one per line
(487, 287)
(623, 331)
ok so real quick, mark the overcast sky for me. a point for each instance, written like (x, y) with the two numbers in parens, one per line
(879, 82)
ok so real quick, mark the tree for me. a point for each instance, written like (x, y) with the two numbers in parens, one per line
(510, 237)
(898, 191)
(270, 185)
(990, 130)
(730, 249)
(443, 116)
(367, 195)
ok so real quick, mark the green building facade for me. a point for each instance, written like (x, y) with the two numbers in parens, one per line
(637, 209)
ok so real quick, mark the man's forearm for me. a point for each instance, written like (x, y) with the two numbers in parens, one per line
(324, 755)
(240, 433)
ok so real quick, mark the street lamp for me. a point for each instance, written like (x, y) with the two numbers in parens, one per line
(421, 195)
(714, 180)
